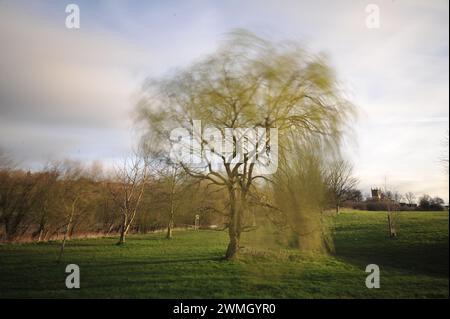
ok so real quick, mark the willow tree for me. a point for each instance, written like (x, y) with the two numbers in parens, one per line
(300, 195)
(239, 106)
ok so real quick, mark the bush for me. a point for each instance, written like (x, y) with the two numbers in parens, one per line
(427, 203)
(376, 206)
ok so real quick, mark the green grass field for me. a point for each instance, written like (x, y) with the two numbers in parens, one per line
(414, 265)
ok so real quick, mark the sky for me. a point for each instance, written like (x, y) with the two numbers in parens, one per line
(70, 93)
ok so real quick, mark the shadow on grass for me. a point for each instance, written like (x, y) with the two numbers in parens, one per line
(425, 258)
(164, 261)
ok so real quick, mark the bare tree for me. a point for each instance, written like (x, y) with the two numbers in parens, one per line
(410, 197)
(19, 194)
(248, 84)
(390, 199)
(127, 190)
(172, 176)
(340, 182)
(73, 195)
(47, 210)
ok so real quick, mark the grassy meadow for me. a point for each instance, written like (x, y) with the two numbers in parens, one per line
(414, 265)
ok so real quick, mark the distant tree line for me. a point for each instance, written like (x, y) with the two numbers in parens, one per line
(428, 203)
(67, 198)
(392, 200)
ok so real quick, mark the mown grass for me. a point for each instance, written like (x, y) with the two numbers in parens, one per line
(414, 265)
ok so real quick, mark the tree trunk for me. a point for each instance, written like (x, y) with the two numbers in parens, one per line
(41, 229)
(41, 233)
(391, 223)
(122, 236)
(72, 212)
(170, 224)
(110, 229)
(337, 209)
(169, 230)
(234, 227)
(123, 230)
(233, 245)
(172, 212)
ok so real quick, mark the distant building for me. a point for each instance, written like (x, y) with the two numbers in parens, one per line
(376, 193)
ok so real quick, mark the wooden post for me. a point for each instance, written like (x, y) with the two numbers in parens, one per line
(391, 223)
(197, 222)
